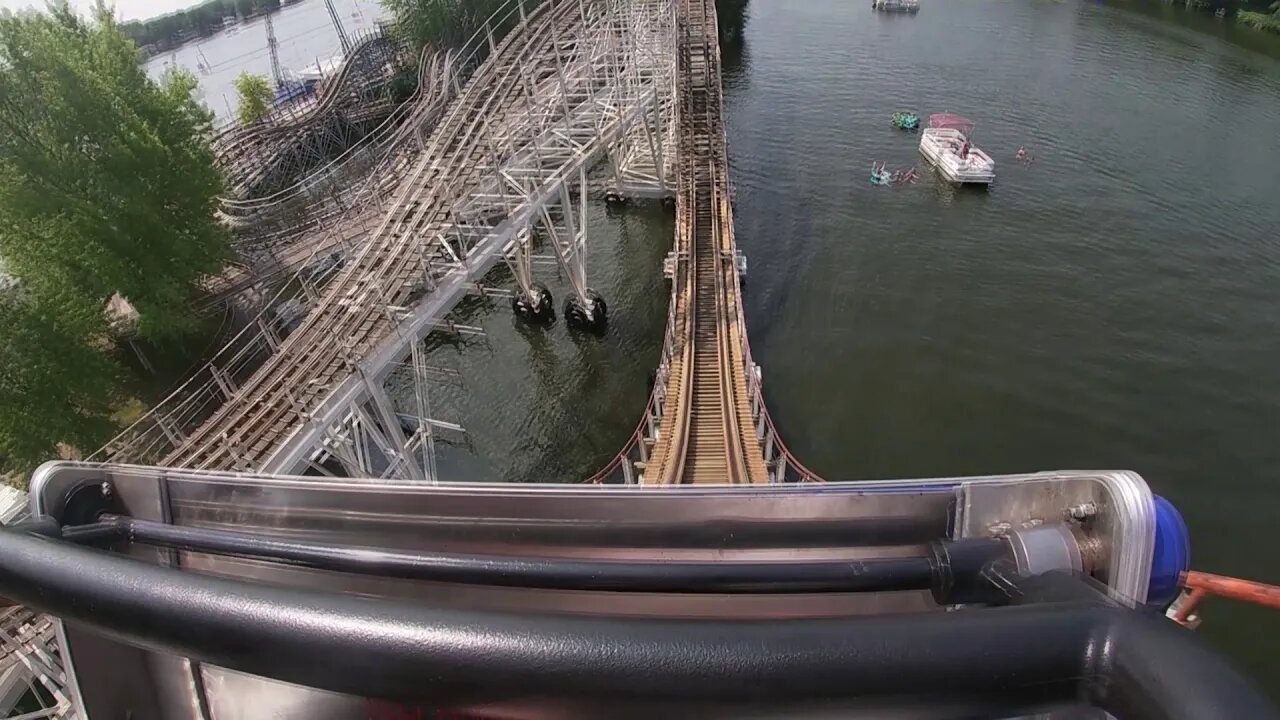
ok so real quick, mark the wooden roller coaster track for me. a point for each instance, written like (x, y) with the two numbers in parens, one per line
(707, 434)
(356, 313)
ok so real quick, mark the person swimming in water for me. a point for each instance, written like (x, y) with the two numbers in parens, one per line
(1021, 154)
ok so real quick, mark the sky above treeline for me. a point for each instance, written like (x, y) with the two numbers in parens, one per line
(125, 9)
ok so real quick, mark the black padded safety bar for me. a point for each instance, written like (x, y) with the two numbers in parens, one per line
(1134, 666)
(531, 572)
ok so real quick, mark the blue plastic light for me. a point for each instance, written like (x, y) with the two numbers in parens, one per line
(1172, 554)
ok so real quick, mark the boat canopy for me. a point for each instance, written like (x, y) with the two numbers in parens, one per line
(951, 121)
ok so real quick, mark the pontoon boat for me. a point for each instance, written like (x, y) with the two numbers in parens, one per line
(946, 145)
(902, 6)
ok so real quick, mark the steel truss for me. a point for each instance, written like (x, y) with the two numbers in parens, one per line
(643, 160)
(639, 156)
(381, 440)
(336, 209)
(598, 86)
(30, 657)
(509, 160)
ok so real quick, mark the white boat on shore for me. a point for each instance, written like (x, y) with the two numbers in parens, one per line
(902, 6)
(946, 145)
(322, 69)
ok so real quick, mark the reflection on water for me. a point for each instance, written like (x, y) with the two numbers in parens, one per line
(548, 404)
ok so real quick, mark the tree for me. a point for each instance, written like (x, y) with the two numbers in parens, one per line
(107, 179)
(445, 24)
(107, 184)
(56, 383)
(1261, 20)
(255, 97)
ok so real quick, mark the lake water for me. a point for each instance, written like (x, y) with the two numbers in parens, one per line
(1115, 304)
(304, 36)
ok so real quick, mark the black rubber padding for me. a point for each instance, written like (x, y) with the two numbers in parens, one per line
(1133, 665)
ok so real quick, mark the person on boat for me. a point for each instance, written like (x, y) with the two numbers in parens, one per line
(964, 150)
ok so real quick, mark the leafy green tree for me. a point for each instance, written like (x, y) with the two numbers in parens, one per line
(56, 383)
(107, 180)
(255, 97)
(1262, 20)
(445, 23)
(201, 20)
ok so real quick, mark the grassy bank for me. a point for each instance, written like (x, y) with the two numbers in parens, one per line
(1260, 20)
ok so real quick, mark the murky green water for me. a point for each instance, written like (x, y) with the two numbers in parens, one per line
(1116, 304)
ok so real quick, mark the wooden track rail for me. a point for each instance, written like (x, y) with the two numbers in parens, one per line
(707, 433)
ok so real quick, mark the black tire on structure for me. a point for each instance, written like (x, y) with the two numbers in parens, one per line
(577, 318)
(542, 310)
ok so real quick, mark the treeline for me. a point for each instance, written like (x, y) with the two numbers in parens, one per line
(1261, 20)
(1258, 14)
(108, 190)
(447, 23)
(203, 20)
